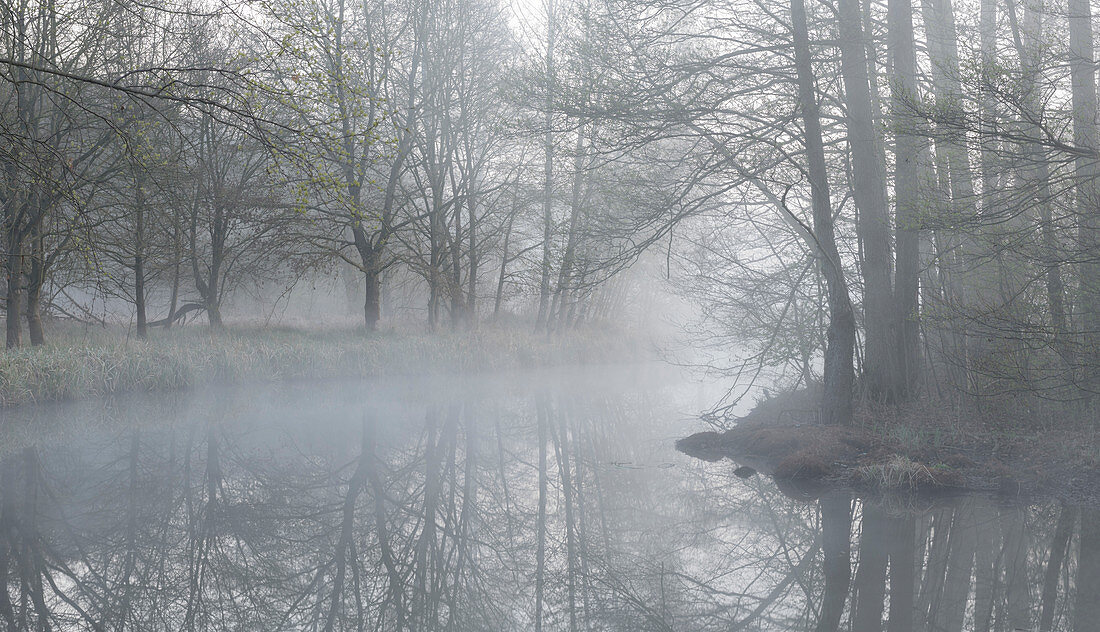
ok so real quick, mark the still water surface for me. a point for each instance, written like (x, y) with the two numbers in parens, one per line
(550, 501)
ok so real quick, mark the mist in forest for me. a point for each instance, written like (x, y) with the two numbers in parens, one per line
(549, 315)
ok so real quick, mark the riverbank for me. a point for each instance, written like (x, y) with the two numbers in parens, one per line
(79, 363)
(919, 449)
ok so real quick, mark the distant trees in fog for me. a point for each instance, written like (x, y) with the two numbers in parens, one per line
(905, 190)
(169, 156)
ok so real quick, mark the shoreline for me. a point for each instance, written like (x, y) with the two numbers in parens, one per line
(872, 459)
(76, 366)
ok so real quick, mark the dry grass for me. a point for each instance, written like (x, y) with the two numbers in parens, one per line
(900, 472)
(85, 363)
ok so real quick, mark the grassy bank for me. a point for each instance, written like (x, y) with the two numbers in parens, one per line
(921, 447)
(88, 363)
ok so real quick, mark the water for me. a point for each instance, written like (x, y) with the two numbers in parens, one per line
(416, 505)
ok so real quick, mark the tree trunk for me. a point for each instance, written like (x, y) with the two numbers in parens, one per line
(570, 520)
(474, 257)
(903, 574)
(986, 569)
(214, 315)
(956, 177)
(540, 526)
(389, 561)
(836, 527)
(177, 261)
(1087, 609)
(1017, 583)
(907, 186)
(1059, 546)
(499, 299)
(981, 283)
(1083, 79)
(139, 265)
(870, 580)
(840, 337)
(458, 305)
(548, 169)
(869, 184)
(372, 299)
(951, 607)
(565, 275)
(370, 254)
(34, 315)
(14, 302)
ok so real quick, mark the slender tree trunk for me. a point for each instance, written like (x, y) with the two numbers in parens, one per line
(981, 283)
(1027, 36)
(565, 275)
(839, 372)
(474, 258)
(570, 520)
(548, 175)
(1084, 100)
(540, 526)
(880, 364)
(903, 574)
(1087, 608)
(389, 560)
(935, 568)
(36, 278)
(951, 608)
(433, 457)
(986, 571)
(836, 527)
(907, 186)
(1059, 546)
(435, 256)
(957, 179)
(14, 304)
(870, 579)
(132, 511)
(8, 509)
(499, 299)
(1017, 583)
(214, 315)
(139, 261)
(345, 545)
(372, 298)
(458, 306)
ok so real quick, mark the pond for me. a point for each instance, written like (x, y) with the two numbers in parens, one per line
(534, 501)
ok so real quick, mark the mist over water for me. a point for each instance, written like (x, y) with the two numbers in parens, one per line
(415, 504)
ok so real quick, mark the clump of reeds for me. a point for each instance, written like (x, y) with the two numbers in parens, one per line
(900, 472)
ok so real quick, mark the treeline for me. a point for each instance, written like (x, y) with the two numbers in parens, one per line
(908, 191)
(917, 210)
(160, 158)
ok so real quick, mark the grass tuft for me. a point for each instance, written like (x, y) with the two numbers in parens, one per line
(900, 472)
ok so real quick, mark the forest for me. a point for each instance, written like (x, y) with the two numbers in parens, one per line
(894, 200)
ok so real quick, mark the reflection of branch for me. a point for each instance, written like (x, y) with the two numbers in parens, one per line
(638, 602)
(797, 571)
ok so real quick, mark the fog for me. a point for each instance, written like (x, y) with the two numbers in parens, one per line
(549, 315)
(416, 504)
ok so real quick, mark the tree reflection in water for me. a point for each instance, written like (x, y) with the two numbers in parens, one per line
(541, 507)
